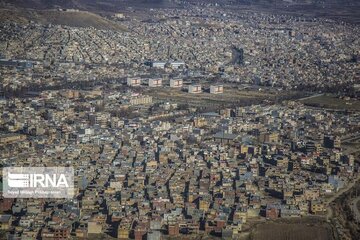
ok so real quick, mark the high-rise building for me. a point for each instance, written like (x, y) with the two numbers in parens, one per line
(176, 83)
(133, 81)
(155, 82)
(216, 89)
(195, 89)
(238, 56)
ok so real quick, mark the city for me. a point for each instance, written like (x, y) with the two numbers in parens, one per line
(194, 122)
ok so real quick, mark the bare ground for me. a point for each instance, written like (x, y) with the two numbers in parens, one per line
(294, 229)
(72, 19)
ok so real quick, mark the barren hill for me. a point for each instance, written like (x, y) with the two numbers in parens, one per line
(347, 10)
(56, 17)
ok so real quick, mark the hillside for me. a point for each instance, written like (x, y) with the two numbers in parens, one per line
(73, 19)
(347, 10)
(89, 5)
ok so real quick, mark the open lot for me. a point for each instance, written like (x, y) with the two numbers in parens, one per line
(332, 102)
(352, 148)
(294, 229)
(231, 97)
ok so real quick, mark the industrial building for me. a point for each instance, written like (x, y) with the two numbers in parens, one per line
(176, 83)
(195, 89)
(216, 89)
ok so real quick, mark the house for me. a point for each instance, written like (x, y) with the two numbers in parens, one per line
(5, 222)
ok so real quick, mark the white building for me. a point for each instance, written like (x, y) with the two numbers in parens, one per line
(158, 64)
(119, 15)
(216, 89)
(195, 89)
(133, 81)
(176, 83)
(141, 100)
(155, 82)
(177, 64)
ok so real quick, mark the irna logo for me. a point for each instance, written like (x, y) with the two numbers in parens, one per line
(37, 180)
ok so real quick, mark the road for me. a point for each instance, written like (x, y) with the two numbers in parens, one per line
(313, 96)
(351, 138)
(355, 209)
(329, 211)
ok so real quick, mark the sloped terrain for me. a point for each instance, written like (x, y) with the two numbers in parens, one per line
(347, 10)
(73, 19)
(90, 5)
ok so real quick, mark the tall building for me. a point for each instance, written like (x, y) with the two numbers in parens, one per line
(195, 89)
(216, 89)
(155, 82)
(133, 81)
(176, 83)
(238, 56)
